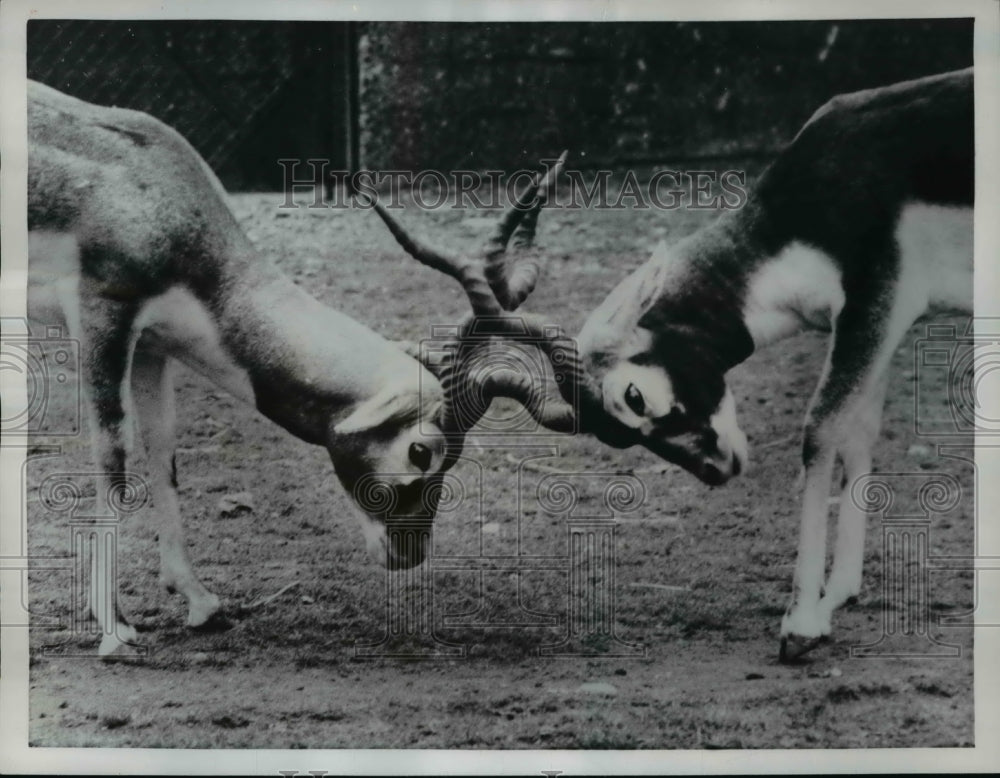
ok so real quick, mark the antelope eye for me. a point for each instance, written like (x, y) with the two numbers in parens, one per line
(420, 456)
(633, 399)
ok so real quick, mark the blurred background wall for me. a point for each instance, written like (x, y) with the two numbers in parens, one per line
(482, 96)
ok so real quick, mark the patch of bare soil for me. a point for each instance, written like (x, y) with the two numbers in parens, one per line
(701, 579)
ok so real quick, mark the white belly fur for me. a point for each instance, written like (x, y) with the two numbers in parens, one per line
(936, 246)
(175, 323)
(801, 287)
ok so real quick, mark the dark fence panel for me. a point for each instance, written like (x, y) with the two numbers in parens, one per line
(244, 93)
(501, 95)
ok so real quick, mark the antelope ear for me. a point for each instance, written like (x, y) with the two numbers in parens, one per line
(385, 406)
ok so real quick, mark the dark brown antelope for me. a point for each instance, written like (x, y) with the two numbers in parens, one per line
(860, 226)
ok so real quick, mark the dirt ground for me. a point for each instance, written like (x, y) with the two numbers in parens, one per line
(702, 574)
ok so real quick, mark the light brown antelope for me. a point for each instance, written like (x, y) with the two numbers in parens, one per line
(860, 226)
(132, 245)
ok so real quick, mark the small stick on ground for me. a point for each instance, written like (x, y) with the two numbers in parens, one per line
(778, 442)
(664, 587)
(260, 603)
(535, 466)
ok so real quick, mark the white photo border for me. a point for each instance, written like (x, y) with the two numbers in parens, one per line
(17, 757)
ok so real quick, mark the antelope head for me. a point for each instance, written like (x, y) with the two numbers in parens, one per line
(658, 371)
(426, 430)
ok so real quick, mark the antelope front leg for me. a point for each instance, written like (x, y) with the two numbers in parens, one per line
(153, 395)
(851, 432)
(105, 329)
(804, 624)
(856, 452)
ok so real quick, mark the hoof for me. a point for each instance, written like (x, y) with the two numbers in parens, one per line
(121, 648)
(205, 614)
(794, 647)
(217, 622)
